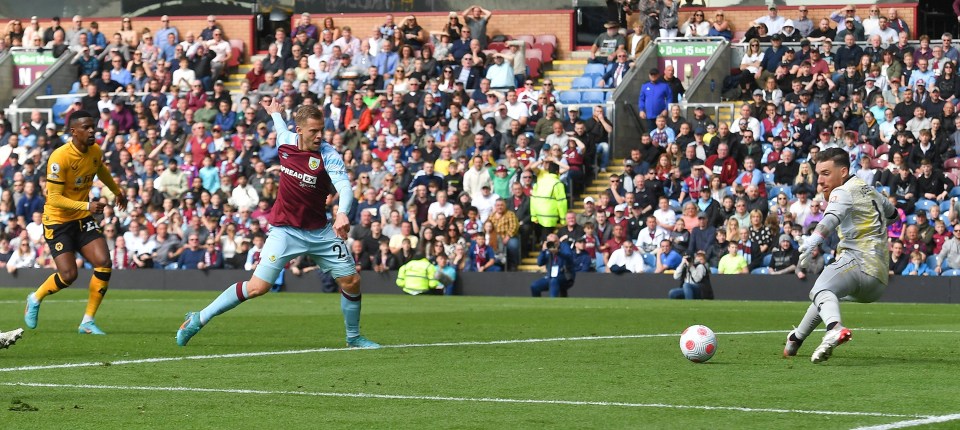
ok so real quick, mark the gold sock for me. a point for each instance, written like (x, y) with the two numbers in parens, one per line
(50, 286)
(98, 288)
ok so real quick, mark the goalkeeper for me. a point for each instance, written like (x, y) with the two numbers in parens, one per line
(860, 215)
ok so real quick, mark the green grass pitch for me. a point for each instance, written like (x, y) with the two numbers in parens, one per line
(459, 362)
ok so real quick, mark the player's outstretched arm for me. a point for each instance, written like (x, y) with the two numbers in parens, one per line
(333, 164)
(104, 175)
(284, 136)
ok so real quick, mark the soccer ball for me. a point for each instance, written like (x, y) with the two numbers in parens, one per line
(698, 343)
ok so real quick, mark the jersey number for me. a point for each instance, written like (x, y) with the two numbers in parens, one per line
(339, 248)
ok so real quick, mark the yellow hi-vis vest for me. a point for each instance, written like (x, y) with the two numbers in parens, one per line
(417, 277)
(548, 201)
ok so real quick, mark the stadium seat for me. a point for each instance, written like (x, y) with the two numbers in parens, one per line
(774, 191)
(714, 270)
(760, 271)
(548, 51)
(955, 191)
(951, 272)
(878, 163)
(944, 207)
(570, 97)
(953, 177)
(534, 68)
(498, 46)
(534, 53)
(768, 178)
(925, 204)
(528, 38)
(547, 39)
(932, 262)
(883, 149)
(650, 260)
(594, 69)
(868, 149)
(883, 190)
(946, 220)
(582, 82)
(727, 191)
(236, 54)
(952, 164)
(675, 205)
(767, 259)
(911, 219)
(595, 97)
(586, 112)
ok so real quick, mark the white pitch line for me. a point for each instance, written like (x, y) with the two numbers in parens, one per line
(317, 350)
(461, 399)
(912, 423)
(14, 302)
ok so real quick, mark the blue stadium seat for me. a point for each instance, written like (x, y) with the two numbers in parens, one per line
(595, 97)
(586, 112)
(911, 219)
(932, 262)
(768, 178)
(951, 272)
(767, 259)
(727, 191)
(675, 205)
(650, 260)
(955, 191)
(594, 77)
(925, 204)
(594, 69)
(946, 221)
(883, 190)
(570, 97)
(944, 207)
(583, 82)
(761, 271)
(714, 270)
(774, 191)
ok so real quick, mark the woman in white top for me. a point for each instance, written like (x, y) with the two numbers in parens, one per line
(750, 65)
(696, 26)
(24, 256)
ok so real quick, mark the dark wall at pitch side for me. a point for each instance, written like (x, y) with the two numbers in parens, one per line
(726, 287)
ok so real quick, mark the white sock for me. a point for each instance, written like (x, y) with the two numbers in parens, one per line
(86, 319)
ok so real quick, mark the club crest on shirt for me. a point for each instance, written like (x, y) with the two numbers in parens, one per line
(314, 163)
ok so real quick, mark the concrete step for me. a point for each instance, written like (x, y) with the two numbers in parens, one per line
(530, 268)
(580, 55)
(579, 67)
(552, 74)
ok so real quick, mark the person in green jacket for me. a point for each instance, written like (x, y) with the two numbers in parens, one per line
(548, 200)
(502, 177)
(418, 276)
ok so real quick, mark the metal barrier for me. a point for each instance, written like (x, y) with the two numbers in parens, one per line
(20, 115)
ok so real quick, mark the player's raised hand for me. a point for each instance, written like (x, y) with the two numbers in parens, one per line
(96, 207)
(341, 226)
(271, 108)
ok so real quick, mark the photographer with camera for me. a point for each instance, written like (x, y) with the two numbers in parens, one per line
(695, 277)
(559, 262)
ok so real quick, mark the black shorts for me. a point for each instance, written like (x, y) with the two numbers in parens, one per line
(71, 235)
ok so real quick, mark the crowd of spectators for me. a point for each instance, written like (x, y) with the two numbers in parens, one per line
(443, 164)
(449, 168)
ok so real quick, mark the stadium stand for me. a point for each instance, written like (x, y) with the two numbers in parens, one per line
(387, 132)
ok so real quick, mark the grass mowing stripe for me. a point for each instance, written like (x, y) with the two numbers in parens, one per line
(316, 350)
(467, 399)
(14, 302)
(913, 423)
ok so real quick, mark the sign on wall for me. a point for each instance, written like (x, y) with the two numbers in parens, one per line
(29, 66)
(687, 58)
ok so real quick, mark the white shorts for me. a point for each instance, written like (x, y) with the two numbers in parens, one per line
(286, 243)
(845, 279)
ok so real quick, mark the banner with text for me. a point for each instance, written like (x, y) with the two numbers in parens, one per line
(687, 58)
(29, 66)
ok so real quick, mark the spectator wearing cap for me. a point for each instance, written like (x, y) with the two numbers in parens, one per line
(773, 56)
(852, 27)
(655, 96)
(772, 20)
(500, 73)
(784, 259)
(704, 234)
(607, 44)
(933, 105)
